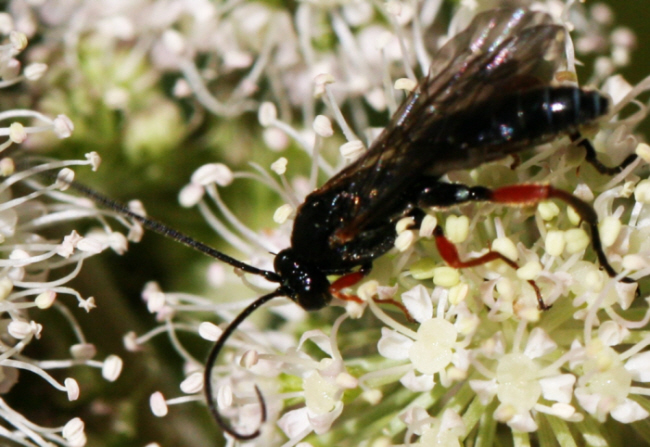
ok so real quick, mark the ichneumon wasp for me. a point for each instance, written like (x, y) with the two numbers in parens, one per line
(489, 94)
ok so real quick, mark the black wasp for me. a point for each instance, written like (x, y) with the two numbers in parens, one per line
(488, 94)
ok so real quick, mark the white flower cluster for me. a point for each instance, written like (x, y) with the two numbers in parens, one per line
(37, 268)
(481, 352)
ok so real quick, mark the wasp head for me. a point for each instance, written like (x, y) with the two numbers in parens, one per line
(303, 282)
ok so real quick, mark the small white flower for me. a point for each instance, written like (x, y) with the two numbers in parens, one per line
(69, 244)
(432, 351)
(88, 304)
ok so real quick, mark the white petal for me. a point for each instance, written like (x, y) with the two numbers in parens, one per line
(461, 359)
(295, 422)
(484, 389)
(414, 415)
(612, 333)
(639, 366)
(558, 388)
(629, 411)
(393, 345)
(452, 421)
(322, 422)
(417, 383)
(319, 338)
(564, 411)
(418, 303)
(539, 344)
(626, 293)
(587, 401)
(523, 422)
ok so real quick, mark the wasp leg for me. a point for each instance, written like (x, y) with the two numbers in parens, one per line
(533, 194)
(442, 194)
(591, 158)
(523, 195)
(350, 279)
(449, 253)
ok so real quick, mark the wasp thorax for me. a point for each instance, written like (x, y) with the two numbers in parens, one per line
(306, 284)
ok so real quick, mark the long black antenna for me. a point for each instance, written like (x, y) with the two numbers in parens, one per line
(164, 230)
(211, 361)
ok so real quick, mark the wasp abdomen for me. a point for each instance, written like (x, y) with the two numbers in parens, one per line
(534, 116)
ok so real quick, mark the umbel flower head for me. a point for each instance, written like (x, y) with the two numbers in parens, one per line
(38, 260)
(480, 360)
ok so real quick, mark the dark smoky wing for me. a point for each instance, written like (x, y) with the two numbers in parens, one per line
(502, 46)
(518, 62)
(501, 51)
(494, 41)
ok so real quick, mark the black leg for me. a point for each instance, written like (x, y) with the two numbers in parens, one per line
(591, 158)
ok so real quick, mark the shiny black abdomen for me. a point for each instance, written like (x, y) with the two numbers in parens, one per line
(510, 123)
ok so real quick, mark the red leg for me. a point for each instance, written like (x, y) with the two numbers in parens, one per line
(450, 255)
(447, 194)
(533, 194)
(350, 279)
(347, 280)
